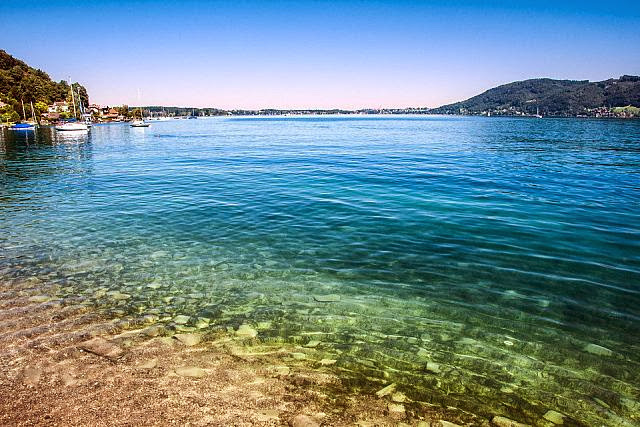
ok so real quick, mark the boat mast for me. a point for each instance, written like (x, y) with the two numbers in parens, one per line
(24, 114)
(73, 99)
(33, 113)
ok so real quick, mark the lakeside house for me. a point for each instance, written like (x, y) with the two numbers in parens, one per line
(59, 107)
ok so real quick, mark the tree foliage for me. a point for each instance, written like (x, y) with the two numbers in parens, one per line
(552, 97)
(18, 81)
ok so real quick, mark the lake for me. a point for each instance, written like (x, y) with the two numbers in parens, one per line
(486, 264)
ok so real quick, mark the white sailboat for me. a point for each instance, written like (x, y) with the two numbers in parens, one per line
(140, 123)
(73, 126)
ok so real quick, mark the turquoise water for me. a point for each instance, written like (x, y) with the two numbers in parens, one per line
(488, 264)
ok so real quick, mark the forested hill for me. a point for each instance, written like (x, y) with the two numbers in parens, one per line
(19, 81)
(551, 97)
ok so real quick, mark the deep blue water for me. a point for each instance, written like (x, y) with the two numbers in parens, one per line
(490, 264)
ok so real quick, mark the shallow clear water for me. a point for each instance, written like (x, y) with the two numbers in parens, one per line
(480, 263)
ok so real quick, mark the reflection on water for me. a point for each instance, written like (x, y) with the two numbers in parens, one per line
(488, 265)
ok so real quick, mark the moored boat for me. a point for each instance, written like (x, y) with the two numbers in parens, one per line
(23, 126)
(139, 124)
(73, 126)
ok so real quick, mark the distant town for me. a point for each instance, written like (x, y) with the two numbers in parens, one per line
(62, 110)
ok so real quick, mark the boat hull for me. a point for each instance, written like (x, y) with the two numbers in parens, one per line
(72, 127)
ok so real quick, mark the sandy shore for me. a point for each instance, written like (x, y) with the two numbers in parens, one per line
(65, 365)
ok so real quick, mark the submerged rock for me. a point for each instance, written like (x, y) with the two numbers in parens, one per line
(386, 390)
(246, 331)
(103, 348)
(506, 422)
(327, 362)
(312, 344)
(597, 350)
(434, 367)
(398, 397)
(553, 416)
(327, 298)
(181, 320)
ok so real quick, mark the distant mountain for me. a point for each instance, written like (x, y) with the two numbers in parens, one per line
(551, 97)
(20, 82)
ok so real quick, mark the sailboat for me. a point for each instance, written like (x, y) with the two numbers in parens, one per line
(140, 123)
(27, 125)
(538, 113)
(73, 126)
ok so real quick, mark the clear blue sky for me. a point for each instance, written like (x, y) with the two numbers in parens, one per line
(254, 54)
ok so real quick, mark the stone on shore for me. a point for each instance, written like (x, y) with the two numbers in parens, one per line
(396, 410)
(303, 421)
(328, 362)
(192, 372)
(189, 339)
(101, 347)
(149, 364)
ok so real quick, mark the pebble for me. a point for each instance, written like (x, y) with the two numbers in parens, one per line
(303, 421)
(423, 353)
(553, 416)
(506, 422)
(398, 397)
(268, 415)
(282, 370)
(193, 372)
(312, 344)
(299, 356)
(386, 390)
(327, 298)
(181, 320)
(103, 348)
(149, 364)
(597, 350)
(189, 339)
(246, 331)
(118, 296)
(327, 362)
(396, 409)
(433, 367)
(154, 286)
(40, 298)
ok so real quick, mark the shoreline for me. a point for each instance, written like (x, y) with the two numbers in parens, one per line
(66, 365)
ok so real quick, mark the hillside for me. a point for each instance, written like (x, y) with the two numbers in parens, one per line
(19, 81)
(552, 97)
